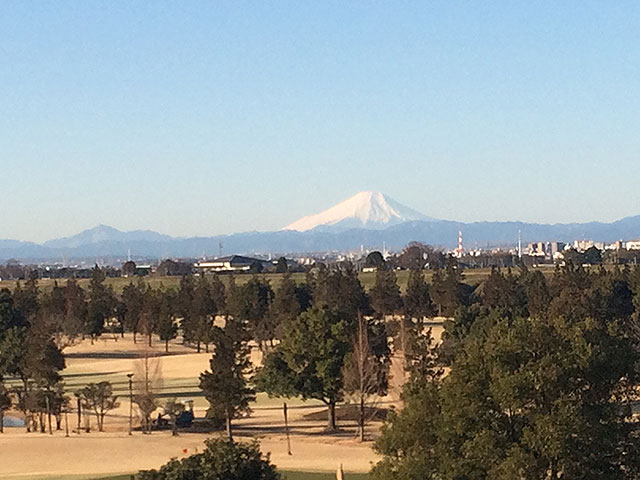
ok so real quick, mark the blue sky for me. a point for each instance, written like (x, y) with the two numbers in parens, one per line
(198, 118)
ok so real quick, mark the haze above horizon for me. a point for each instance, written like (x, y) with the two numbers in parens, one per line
(217, 117)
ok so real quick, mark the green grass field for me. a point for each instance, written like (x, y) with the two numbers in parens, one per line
(472, 277)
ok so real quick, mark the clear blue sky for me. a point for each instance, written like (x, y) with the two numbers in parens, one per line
(213, 117)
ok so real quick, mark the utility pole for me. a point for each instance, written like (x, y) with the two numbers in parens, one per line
(286, 427)
(79, 405)
(48, 402)
(130, 376)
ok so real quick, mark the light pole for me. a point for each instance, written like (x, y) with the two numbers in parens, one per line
(79, 408)
(130, 376)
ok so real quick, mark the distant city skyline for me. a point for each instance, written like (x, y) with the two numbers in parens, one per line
(218, 117)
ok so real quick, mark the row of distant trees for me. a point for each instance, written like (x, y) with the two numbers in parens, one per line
(70, 312)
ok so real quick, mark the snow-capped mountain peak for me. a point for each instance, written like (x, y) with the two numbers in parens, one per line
(372, 210)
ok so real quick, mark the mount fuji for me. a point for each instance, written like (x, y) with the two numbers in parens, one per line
(368, 219)
(369, 210)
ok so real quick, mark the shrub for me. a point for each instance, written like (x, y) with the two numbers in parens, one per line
(221, 460)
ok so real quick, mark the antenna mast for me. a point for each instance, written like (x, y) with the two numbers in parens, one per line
(520, 244)
(460, 249)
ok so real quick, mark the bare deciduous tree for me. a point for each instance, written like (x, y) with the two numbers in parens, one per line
(148, 375)
(363, 376)
(99, 398)
(174, 409)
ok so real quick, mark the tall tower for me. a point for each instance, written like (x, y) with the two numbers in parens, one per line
(520, 244)
(460, 249)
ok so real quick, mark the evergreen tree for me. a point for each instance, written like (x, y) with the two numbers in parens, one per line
(448, 291)
(101, 302)
(26, 299)
(203, 310)
(341, 292)
(233, 299)
(225, 386)
(309, 360)
(133, 300)
(385, 294)
(220, 460)
(537, 292)
(218, 294)
(166, 325)
(528, 399)
(185, 308)
(255, 298)
(504, 293)
(375, 260)
(281, 266)
(417, 299)
(285, 305)
(150, 314)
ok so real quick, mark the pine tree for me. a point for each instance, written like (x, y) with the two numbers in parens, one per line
(526, 398)
(417, 299)
(133, 300)
(185, 308)
(309, 360)
(203, 311)
(385, 294)
(285, 305)
(225, 386)
(166, 326)
(101, 301)
(255, 299)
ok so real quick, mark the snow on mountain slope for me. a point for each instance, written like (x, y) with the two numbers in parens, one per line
(372, 210)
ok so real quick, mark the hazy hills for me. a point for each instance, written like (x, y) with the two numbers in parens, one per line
(107, 241)
(368, 219)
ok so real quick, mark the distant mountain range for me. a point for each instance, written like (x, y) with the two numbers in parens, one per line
(106, 234)
(368, 219)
